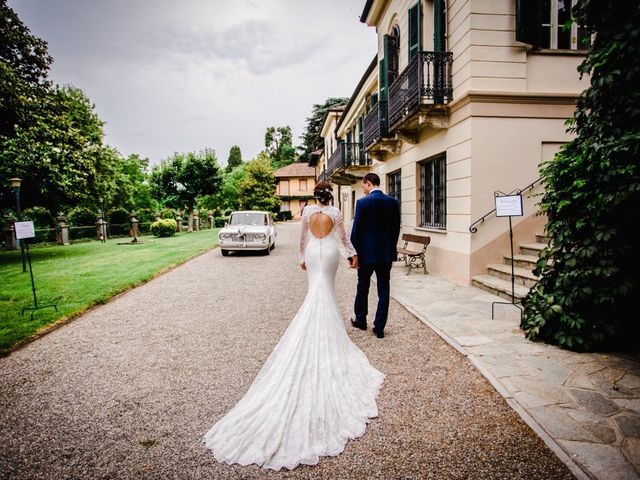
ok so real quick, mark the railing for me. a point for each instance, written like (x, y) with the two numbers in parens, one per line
(323, 176)
(517, 191)
(348, 155)
(427, 76)
(376, 124)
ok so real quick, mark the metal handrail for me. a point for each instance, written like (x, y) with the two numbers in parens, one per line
(517, 191)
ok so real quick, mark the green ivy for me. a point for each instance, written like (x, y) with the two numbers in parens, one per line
(590, 273)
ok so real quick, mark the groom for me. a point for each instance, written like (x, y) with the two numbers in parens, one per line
(374, 235)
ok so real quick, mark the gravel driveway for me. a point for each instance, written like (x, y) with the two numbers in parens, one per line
(129, 389)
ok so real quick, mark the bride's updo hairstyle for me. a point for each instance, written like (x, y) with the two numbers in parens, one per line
(322, 192)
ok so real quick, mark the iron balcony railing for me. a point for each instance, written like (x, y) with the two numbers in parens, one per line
(348, 155)
(376, 124)
(323, 176)
(426, 79)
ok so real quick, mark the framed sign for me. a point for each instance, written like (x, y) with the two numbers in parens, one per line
(24, 230)
(509, 206)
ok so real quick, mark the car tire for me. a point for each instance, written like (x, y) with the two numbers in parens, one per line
(267, 251)
(224, 252)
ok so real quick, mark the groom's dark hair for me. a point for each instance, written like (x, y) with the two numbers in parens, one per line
(372, 178)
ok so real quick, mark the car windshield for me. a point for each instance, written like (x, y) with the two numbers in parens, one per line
(249, 218)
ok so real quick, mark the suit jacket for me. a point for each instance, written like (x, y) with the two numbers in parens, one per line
(376, 227)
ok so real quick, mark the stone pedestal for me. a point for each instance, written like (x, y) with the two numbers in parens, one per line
(101, 230)
(62, 230)
(11, 243)
(133, 227)
(178, 223)
(212, 222)
(196, 223)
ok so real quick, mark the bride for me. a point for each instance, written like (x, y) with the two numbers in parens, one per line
(317, 389)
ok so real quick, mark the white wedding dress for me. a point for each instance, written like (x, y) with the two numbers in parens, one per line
(317, 389)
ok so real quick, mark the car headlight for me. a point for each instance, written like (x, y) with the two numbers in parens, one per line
(261, 236)
(224, 236)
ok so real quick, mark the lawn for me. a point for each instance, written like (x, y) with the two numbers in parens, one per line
(81, 275)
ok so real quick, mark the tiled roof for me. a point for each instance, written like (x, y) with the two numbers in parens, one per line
(296, 170)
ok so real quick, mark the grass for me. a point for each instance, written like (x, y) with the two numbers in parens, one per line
(81, 275)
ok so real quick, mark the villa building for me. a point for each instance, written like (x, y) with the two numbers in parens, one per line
(462, 101)
(294, 186)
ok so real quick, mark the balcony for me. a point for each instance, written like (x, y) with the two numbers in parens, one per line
(348, 163)
(418, 97)
(375, 125)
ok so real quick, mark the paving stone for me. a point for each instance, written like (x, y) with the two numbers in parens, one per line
(548, 369)
(560, 425)
(629, 424)
(471, 340)
(607, 388)
(527, 401)
(602, 461)
(630, 381)
(631, 450)
(593, 401)
(632, 404)
(578, 380)
(551, 394)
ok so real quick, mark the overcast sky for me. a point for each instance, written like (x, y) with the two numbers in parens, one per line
(173, 76)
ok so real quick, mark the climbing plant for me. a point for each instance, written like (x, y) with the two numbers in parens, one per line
(590, 272)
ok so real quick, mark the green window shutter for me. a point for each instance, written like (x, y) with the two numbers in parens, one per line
(414, 30)
(349, 137)
(373, 100)
(392, 56)
(382, 79)
(439, 26)
(361, 129)
(529, 18)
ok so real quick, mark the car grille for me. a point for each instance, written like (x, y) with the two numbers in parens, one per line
(247, 237)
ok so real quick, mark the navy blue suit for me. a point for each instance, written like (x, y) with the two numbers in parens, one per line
(374, 235)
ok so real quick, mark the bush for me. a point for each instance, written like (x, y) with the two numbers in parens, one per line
(283, 216)
(40, 216)
(164, 228)
(167, 213)
(119, 216)
(82, 217)
(220, 221)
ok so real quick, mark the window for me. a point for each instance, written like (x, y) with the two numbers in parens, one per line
(285, 206)
(541, 23)
(303, 185)
(284, 187)
(394, 185)
(433, 192)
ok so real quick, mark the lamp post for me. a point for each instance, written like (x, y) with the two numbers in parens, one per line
(15, 186)
(103, 225)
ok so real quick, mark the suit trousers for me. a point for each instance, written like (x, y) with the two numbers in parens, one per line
(361, 306)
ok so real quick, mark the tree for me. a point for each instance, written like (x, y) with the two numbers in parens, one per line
(235, 158)
(311, 139)
(279, 146)
(258, 187)
(590, 273)
(183, 177)
(56, 151)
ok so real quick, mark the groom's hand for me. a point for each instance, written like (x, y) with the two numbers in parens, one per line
(303, 266)
(354, 262)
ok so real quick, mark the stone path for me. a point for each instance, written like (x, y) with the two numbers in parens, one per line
(128, 390)
(585, 406)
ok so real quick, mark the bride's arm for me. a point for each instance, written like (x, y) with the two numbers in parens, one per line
(339, 223)
(303, 237)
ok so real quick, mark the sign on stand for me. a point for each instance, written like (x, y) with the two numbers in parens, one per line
(24, 230)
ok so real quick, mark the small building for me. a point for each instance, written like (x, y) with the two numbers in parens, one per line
(294, 186)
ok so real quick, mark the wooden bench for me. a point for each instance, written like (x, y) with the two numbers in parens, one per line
(414, 258)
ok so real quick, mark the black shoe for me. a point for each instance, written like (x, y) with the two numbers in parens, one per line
(360, 325)
(378, 334)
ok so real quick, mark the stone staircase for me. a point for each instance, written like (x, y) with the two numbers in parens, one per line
(498, 277)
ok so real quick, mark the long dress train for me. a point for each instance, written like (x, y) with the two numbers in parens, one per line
(317, 389)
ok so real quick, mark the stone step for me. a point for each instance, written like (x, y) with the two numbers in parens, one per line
(523, 276)
(542, 238)
(523, 261)
(532, 248)
(499, 287)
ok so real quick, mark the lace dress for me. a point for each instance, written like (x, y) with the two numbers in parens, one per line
(317, 389)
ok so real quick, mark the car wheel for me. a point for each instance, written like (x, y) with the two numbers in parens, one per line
(267, 251)
(224, 252)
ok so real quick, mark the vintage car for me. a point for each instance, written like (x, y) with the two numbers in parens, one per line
(248, 230)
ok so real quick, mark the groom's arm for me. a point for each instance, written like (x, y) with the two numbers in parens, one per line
(355, 228)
